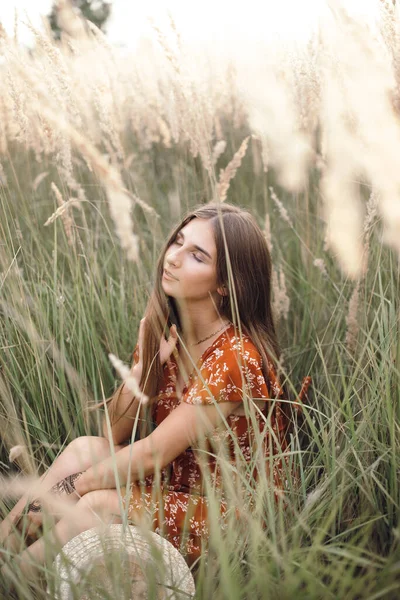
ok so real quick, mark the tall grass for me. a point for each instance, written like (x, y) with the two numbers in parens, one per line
(70, 295)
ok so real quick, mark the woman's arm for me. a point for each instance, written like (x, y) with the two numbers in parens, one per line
(121, 428)
(185, 425)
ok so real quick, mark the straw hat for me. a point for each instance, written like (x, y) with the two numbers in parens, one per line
(126, 561)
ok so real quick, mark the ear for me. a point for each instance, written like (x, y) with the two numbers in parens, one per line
(222, 291)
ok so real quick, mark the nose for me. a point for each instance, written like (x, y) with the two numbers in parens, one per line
(172, 259)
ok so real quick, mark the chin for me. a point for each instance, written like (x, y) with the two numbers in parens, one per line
(167, 288)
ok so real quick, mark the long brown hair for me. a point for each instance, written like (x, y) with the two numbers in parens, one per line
(243, 268)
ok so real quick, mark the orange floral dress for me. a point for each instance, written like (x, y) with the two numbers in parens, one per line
(175, 503)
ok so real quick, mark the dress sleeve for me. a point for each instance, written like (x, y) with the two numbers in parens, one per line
(225, 376)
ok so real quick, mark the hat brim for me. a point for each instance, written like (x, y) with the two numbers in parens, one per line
(141, 554)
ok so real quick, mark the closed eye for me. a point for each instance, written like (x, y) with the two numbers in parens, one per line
(195, 255)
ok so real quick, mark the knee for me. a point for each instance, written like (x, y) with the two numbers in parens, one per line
(88, 444)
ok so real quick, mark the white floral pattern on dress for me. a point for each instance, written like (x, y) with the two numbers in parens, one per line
(229, 369)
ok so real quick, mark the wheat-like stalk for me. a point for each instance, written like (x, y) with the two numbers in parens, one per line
(160, 98)
(280, 298)
(130, 381)
(282, 210)
(64, 213)
(218, 150)
(320, 264)
(267, 232)
(227, 174)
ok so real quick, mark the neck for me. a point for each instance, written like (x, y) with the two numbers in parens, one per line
(199, 322)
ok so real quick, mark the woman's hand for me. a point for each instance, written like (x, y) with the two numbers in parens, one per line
(167, 346)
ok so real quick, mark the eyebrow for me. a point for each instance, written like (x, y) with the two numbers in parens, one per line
(180, 234)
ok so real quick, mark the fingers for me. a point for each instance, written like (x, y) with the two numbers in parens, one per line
(141, 338)
(36, 522)
(173, 338)
(167, 346)
(141, 331)
(27, 527)
(140, 343)
(141, 335)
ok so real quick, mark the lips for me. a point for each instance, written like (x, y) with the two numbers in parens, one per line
(169, 275)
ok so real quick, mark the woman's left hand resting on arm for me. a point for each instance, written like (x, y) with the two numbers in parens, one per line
(182, 428)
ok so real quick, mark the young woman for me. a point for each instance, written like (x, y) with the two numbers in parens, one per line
(206, 346)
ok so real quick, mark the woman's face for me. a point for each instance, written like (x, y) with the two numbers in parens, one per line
(190, 263)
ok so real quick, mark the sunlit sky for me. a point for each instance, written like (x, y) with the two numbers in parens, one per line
(212, 21)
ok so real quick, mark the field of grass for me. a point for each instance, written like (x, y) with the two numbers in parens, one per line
(70, 294)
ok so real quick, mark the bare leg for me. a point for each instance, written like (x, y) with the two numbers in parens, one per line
(96, 508)
(79, 455)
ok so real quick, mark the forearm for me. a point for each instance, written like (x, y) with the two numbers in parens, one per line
(133, 463)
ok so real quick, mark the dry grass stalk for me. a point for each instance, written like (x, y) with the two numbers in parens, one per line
(129, 380)
(352, 319)
(257, 156)
(229, 172)
(369, 221)
(276, 305)
(143, 205)
(3, 178)
(320, 264)
(169, 53)
(344, 221)
(371, 213)
(280, 298)
(265, 155)
(272, 116)
(218, 128)
(38, 180)
(16, 452)
(192, 113)
(282, 210)
(120, 207)
(55, 356)
(218, 150)
(173, 120)
(119, 202)
(347, 82)
(13, 434)
(3, 33)
(5, 120)
(267, 232)
(362, 133)
(63, 212)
